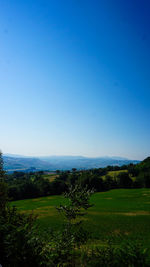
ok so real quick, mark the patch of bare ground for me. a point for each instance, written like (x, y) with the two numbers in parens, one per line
(136, 213)
(117, 231)
(44, 208)
(127, 233)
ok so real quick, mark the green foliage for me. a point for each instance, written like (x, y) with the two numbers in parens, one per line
(2, 173)
(20, 244)
(60, 248)
(124, 181)
(3, 196)
(31, 185)
(78, 201)
(127, 254)
(73, 234)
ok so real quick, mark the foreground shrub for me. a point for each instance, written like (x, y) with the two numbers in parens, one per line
(128, 254)
(20, 244)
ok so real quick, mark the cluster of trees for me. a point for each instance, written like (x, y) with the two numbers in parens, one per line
(30, 185)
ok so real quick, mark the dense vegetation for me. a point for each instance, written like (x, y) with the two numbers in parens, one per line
(21, 243)
(30, 185)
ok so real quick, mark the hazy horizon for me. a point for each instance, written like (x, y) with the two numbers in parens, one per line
(75, 78)
(67, 155)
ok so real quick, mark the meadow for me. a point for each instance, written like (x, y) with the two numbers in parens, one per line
(115, 214)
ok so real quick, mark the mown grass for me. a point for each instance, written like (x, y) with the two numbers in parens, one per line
(51, 177)
(113, 174)
(119, 213)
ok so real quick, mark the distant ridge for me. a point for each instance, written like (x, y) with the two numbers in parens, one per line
(16, 156)
(52, 163)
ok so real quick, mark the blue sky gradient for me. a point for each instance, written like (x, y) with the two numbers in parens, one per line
(75, 77)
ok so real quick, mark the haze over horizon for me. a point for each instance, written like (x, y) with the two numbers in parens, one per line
(67, 155)
(75, 78)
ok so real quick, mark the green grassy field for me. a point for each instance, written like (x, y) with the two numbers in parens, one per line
(50, 177)
(113, 174)
(116, 213)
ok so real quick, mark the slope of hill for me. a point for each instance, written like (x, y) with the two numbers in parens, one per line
(69, 162)
(12, 163)
(145, 164)
(24, 164)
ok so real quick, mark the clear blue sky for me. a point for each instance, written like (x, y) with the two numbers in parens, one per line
(75, 77)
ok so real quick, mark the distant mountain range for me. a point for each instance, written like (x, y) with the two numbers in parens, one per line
(52, 163)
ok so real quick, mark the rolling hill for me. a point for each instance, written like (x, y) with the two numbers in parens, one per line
(52, 163)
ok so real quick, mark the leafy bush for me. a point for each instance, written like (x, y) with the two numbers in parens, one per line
(20, 244)
(128, 254)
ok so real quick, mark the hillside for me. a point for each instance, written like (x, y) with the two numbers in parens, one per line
(12, 163)
(24, 164)
(145, 164)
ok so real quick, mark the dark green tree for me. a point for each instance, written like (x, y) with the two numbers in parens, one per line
(3, 187)
(124, 180)
(1, 168)
(20, 244)
(73, 234)
(78, 203)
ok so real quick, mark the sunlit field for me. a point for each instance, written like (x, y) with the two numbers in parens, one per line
(116, 214)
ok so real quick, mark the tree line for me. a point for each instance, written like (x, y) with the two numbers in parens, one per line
(34, 184)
